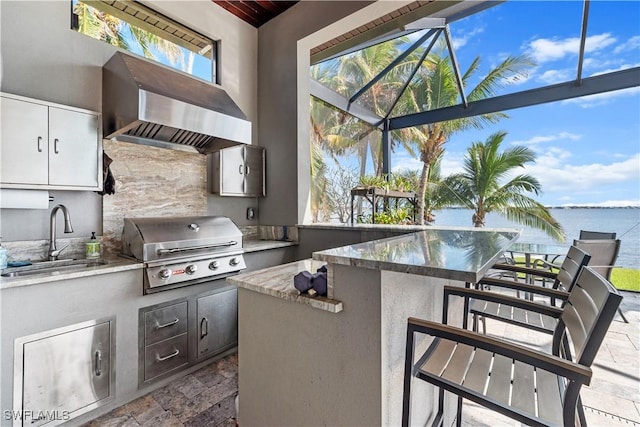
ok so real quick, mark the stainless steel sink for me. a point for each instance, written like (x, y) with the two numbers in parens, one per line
(49, 267)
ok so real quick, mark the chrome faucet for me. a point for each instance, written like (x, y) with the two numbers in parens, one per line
(53, 251)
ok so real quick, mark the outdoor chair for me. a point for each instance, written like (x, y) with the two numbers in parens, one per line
(527, 385)
(602, 261)
(596, 235)
(604, 250)
(601, 256)
(562, 280)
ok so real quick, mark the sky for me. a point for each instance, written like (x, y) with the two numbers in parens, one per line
(588, 149)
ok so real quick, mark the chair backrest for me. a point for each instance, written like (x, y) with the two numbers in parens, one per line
(587, 314)
(596, 235)
(604, 254)
(568, 273)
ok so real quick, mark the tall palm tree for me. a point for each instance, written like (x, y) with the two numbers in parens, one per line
(435, 88)
(359, 68)
(488, 185)
(332, 133)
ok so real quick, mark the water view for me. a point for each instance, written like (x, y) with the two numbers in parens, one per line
(623, 221)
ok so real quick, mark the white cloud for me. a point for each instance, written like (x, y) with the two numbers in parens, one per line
(632, 44)
(544, 50)
(601, 99)
(556, 76)
(547, 138)
(461, 41)
(405, 163)
(556, 175)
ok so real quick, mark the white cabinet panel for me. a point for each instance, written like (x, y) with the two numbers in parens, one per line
(49, 146)
(24, 145)
(73, 154)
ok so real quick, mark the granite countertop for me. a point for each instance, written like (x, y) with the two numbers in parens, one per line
(113, 265)
(462, 254)
(278, 282)
(254, 245)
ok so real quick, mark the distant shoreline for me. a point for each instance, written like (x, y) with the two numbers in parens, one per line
(593, 207)
(570, 207)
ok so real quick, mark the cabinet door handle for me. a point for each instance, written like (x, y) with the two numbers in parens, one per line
(173, 322)
(204, 327)
(168, 356)
(240, 169)
(55, 146)
(247, 169)
(98, 363)
(39, 144)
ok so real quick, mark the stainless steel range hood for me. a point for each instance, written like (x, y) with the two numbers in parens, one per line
(149, 104)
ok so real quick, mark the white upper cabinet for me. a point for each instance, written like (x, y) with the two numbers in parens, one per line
(49, 146)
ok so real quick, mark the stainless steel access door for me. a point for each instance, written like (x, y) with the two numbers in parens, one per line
(217, 316)
(62, 373)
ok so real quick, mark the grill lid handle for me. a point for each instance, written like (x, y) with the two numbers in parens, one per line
(195, 248)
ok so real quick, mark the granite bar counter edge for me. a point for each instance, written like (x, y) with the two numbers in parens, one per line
(278, 282)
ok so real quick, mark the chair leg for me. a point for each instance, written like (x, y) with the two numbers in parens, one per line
(459, 413)
(408, 375)
(581, 416)
(622, 315)
(438, 420)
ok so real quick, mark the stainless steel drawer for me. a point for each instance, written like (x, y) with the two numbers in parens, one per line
(165, 322)
(165, 356)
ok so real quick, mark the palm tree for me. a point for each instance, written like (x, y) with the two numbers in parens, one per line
(485, 186)
(332, 132)
(359, 68)
(103, 26)
(436, 88)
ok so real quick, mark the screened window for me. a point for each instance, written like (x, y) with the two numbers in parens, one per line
(140, 30)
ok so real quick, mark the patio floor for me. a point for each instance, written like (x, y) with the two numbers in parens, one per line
(205, 397)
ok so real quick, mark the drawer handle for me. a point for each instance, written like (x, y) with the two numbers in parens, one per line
(39, 144)
(98, 363)
(167, 357)
(240, 169)
(55, 146)
(173, 322)
(247, 170)
(204, 327)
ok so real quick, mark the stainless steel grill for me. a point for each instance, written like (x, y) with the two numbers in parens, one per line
(181, 251)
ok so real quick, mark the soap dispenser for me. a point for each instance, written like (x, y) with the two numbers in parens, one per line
(93, 247)
(3, 256)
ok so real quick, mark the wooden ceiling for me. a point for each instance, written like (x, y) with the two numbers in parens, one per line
(255, 12)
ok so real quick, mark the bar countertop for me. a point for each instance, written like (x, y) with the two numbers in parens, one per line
(464, 254)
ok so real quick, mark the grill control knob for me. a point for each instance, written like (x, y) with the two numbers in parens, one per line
(214, 265)
(234, 261)
(191, 268)
(165, 273)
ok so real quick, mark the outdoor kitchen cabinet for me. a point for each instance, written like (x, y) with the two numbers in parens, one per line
(217, 316)
(64, 372)
(49, 146)
(237, 171)
(164, 347)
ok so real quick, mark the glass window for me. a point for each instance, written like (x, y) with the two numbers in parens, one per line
(138, 29)
(343, 149)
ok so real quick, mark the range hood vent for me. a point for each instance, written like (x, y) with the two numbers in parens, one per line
(150, 104)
